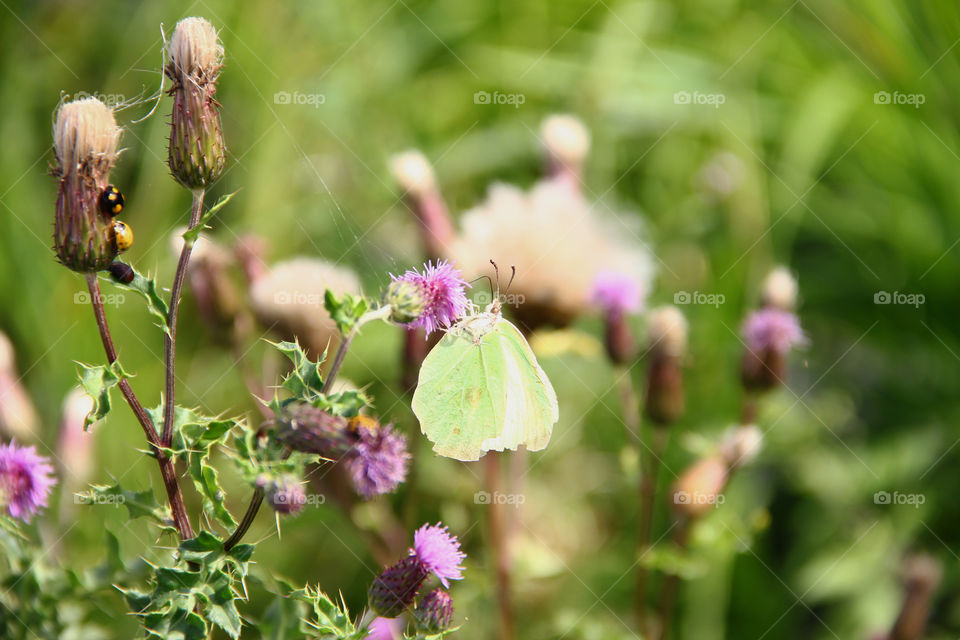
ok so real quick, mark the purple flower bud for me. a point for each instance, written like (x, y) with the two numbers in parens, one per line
(306, 428)
(434, 612)
(393, 591)
(25, 481)
(769, 333)
(284, 493)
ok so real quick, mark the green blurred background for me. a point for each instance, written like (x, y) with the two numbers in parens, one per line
(856, 195)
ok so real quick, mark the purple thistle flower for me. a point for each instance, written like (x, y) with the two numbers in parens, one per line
(438, 552)
(25, 481)
(772, 329)
(378, 462)
(434, 612)
(617, 292)
(385, 629)
(443, 291)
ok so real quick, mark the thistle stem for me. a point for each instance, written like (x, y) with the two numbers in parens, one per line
(255, 501)
(499, 544)
(671, 583)
(174, 495)
(650, 473)
(170, 339)
(376, 314)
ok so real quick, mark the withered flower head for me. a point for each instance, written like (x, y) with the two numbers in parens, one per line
(85, 139)
(196, 154)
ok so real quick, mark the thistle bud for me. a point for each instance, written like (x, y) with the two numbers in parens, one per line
(780, 290)
(698, 488)
(921, 577)
(769, 334)
(567, 142)
(196, 153)
(416, 177)
(284, 493)
(18, 418)
(741, 445)
(85, 138)
(665, 398)
(303, 427)
(406, 301)
(393, 591)
(434, 612)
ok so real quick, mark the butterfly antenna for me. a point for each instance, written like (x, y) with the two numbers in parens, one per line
(513, 274)
(496, 270)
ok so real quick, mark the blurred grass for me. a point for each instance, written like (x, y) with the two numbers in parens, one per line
(856, 197)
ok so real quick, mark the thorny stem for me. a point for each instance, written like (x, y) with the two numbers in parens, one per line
(174, 495)
(650, 473)
(257, 499)
(499, 544)
(248, 519)
(376, 314)
(170, 339)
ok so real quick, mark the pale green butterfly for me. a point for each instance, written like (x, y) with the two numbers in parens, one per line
(481, 389)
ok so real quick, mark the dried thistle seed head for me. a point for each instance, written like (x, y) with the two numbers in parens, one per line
(195, 48)
(196, 153)
(85, 138)
(667, 331)
(413, 172)
(566, 139)
(780, 289)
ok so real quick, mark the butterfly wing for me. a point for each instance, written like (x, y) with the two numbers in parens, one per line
(529, 403)
(454, 396)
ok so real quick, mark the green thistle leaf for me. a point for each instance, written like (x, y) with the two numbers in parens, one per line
(191, 235)
(146, 287)
(97, 382)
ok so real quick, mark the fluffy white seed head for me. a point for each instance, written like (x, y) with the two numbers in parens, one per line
(667, 330)
(291, 296)
(566, 138)
(780, 289)
(194, 48)
(85, 134)
(413, 172)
